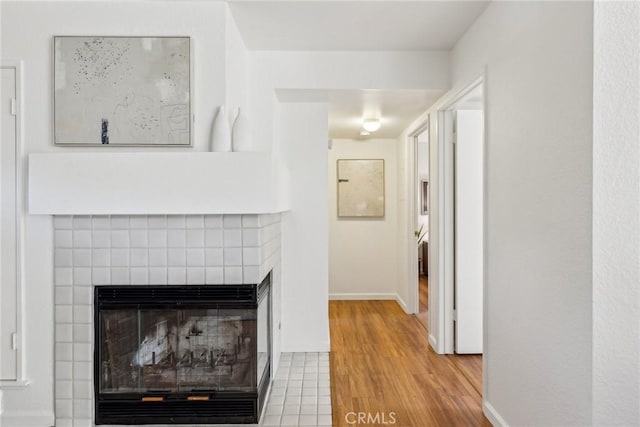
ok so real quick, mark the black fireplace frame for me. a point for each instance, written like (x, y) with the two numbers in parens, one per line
(199, 406)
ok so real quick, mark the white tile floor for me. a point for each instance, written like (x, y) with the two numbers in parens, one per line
(301, 392)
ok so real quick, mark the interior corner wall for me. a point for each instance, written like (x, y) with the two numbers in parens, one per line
(362, 251)
(303, 135)
(26, 32)
(616, 222)
(236, 68)
(539, 65)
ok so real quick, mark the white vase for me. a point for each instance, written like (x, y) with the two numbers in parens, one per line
(240, 135)
(220, 132)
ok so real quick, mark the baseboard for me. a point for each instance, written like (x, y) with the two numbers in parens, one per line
(433, 342)
(492, 415)
(402, 304)
(27, 419)
(364, 296)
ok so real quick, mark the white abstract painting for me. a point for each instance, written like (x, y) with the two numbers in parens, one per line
(361, 188)
(122, 91)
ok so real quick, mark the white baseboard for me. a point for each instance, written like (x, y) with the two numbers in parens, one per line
(364, 296)
(27, 419)
(433, 342)
(492, 415)
(402, 304)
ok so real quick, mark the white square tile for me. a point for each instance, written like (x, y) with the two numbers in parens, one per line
(120, 276)
(157, 221)
(176, 221)
(81, 222)
(83, 295)
(64, 389)
(324, 410)
(100, 222)
(213, 221)
(82, 257)
(232, 238)
(82, 314)
(270, 420)
(214, 257)
(195, 257)
(232, 221)
(82, 389)
(82, 352)
(100, 239)
(308, 420)
(276, 400)
(213, 238)
(214, 275)
(119, 222)
(82, 333)
(177, 238)
(139, 238)
(289, 420)
(63, 276)
(157, 238)
(81, 409)
(251, 274)
(232, 257)
(309, 400)
(177, 257)
(273, 409)
(64, 408)
(324, 391)
(63, 295)
(250, 256)
(63, 238)
(82, 276)
(139, 276)
(64, 370)
(139, 257)
(250, 221)
(119, 257)
(64, 351)
(64, 333)
(195, 238)
(63, 258)
(64, 422)
(138, 222)
(81, 238)
(82, 422)
(324, 420)
(324, 400)
(82, 370)
(250, 237)
(233, 275)
(158, 257)
(100, 258)
(101, 276)
(62, 222)
(119, 238)
(195, 276)
(158, 275)
(195, 221)
(176, 275)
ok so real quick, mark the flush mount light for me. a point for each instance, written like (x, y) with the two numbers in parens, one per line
(371, 125)
(364, 133)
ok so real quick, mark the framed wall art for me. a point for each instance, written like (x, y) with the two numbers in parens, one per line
(360, 187)
(122, 91)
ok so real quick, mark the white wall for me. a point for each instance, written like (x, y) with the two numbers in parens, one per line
(538, 57)
(303, 137)
(362, 256)
(616, 222)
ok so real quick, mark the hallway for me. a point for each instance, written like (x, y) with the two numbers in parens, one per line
(382, 366)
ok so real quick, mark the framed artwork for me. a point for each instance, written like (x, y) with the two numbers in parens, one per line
(360, 188)
(122, 91)
(424, 197)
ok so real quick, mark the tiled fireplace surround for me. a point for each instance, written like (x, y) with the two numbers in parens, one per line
(140, 250)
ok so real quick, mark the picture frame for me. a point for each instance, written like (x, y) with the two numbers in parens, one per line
(424, 197)
(123, 91)
(361, 188)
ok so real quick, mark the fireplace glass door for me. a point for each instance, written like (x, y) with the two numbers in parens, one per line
(169, 350)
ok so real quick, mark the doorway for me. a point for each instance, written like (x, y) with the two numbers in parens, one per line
(421, 196)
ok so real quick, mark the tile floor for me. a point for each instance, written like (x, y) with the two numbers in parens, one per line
(301, 393)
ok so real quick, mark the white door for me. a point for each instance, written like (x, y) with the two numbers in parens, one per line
(8, 226)
(468, 231)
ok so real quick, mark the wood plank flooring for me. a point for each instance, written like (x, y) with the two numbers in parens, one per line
(381, 363)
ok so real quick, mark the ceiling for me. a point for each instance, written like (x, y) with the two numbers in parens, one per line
(365, 25)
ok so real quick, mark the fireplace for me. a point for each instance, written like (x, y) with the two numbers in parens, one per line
(182, 354)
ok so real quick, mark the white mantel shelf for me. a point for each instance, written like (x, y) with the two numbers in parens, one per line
(144, 183)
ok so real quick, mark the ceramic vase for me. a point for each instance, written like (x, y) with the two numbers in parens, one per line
(240, 135)
(221, 132)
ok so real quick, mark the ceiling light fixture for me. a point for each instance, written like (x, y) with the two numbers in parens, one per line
(371, 125)
(364, 133)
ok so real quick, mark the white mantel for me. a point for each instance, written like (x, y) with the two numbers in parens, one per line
(155, 183)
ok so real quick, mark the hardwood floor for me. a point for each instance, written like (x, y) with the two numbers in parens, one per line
(382, 365)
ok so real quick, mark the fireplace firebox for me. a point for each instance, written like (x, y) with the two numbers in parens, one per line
(182, 354)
